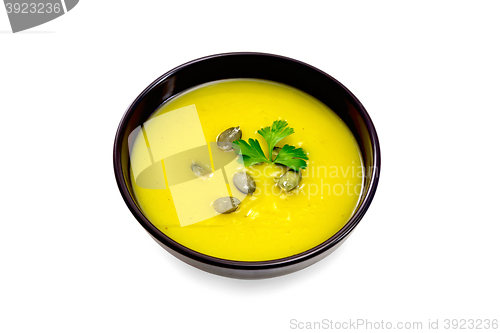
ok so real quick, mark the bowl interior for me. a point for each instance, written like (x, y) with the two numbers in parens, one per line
(258, 66)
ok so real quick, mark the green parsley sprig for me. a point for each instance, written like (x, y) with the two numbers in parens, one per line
(252, 153)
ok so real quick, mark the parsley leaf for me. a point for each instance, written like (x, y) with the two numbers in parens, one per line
(278, 132)
(252, 152)
(292, 157)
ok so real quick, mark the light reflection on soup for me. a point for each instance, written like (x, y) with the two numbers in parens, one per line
(270, 223)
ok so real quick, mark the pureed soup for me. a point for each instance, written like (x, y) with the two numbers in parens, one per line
(190, 182)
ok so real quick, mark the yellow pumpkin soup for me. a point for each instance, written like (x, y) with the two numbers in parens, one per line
(202, 171)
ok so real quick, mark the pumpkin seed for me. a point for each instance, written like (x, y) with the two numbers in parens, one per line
(275, 153)
(226, 205)
(289, 180)
(226, 138)
(244, 182)
(199, 170)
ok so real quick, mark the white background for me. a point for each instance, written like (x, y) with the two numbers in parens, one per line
(74, 259)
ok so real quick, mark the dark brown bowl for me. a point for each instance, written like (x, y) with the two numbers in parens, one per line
(259, 66)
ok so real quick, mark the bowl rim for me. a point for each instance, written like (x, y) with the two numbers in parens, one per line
(331, 242)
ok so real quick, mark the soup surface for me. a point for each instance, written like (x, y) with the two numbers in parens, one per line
(271, 223)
